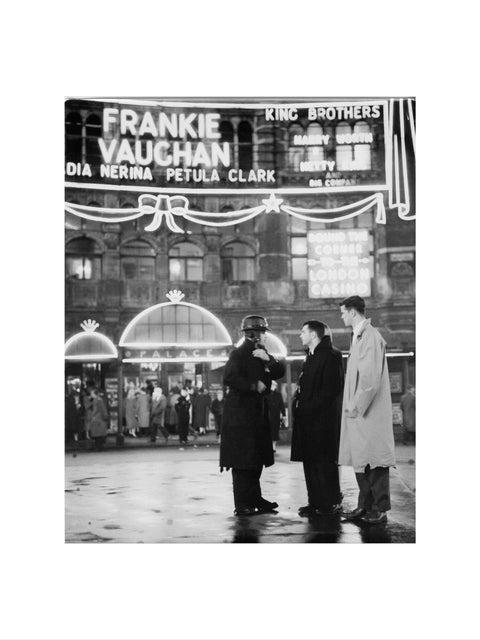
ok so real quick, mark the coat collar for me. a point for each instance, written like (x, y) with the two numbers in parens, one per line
(325, 343)
(366, 323)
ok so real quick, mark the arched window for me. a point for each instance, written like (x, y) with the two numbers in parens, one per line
(238, 262)
(84, 260)
(245, 150)
(296, 150)
(362, 148)
(226, 131)
(137, 260)
(185, 262)
(73, 137)
(344, 148)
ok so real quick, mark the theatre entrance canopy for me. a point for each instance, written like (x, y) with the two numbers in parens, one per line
(175, 331)
(90, 346)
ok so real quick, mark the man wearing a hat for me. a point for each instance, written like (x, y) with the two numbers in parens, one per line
(246, 444)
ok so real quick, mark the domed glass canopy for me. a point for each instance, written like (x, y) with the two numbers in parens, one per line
(90, 346)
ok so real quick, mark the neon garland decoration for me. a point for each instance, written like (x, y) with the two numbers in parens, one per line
(164, 207)
(89, 327)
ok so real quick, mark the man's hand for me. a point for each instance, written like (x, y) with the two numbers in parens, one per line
(260, 387)
(262, 354)
(351, 413)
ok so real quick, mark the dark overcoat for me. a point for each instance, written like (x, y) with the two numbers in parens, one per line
(246, 442)
(276, 408)
(317, 406)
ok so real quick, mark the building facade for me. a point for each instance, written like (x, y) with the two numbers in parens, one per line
(287, 215)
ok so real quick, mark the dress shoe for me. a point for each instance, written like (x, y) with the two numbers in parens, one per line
(356, 514)
(264, 506)
(374, 517)
(245, 511)
(330, 511)
(305, 511)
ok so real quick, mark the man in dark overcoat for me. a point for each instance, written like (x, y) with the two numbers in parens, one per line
(317, 414)
(246, 444)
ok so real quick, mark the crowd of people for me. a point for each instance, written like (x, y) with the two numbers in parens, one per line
(149, 413)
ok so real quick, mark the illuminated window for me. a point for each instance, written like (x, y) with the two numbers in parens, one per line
(83, 261)
(93, 131)
(298, 248)
(245, 149)
(137, 259)
(344, 151)
(73, 137)
(362, 150)
(296, 152)
(315, 150)
(185, 262)
(238, 262)
(353, 146)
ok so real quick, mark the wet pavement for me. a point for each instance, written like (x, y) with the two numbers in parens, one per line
(173, 495)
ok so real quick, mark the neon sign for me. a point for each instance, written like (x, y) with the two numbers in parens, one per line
(168, 149)
(339, 263)
(89, 346)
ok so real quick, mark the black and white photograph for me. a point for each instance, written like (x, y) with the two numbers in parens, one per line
(239, 243)
(240, 320)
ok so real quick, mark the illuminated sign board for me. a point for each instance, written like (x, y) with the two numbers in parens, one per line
(175, 354)
(339, 263)
(206, 147)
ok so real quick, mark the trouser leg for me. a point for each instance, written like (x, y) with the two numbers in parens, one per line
(379, 480)
(365, 498)
(246, 487)
(323, 484)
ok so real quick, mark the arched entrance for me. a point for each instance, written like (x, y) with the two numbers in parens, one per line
(174, 342)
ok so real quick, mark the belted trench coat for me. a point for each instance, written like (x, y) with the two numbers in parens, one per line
(368, 438)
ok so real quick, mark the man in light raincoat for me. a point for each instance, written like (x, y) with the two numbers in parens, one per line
(366, 439)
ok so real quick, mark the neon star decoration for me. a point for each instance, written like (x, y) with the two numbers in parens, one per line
(151, 204)
(168, 207)
(272, 204)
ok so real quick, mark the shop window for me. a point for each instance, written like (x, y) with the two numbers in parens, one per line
(238, 262)
(296, 152)
(315, 150)
(83, 260)
(73, 137)
(93, 131)
(137, 259)
(185, 262)
(245, 150)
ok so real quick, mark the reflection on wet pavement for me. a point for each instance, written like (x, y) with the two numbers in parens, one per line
(157, 497)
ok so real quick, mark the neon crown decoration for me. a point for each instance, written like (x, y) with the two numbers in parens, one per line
(89, 325)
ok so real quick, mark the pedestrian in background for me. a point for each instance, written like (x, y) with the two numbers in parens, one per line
(366, 440)
(182, 407)
(171, 418)
(99, 419)
(246, 443)
(407, 403)
(276, 413)
(201, 403)
(157, 415)
(131, 410)
(317, 412)
(217, 411)
(143, 411)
